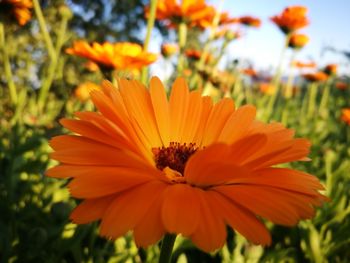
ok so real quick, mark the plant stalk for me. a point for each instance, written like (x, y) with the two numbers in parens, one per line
(7, 66)
(167, 248)
(150, 25)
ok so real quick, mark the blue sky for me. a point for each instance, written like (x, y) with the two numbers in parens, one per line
(329, 25)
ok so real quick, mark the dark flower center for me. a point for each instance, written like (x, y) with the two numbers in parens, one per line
(174, 156)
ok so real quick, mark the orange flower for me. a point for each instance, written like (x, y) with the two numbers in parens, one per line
(346, 115)
(169, 49)
(19, 8)
(301, 65)
(331, 69)
(316, 77)
(120, 56)
(266, 88)
(250, 72)
(291, 19)
(183, 165)
(298, 41)
(196, 55)
(82, 92)
(192, 12)
(249, 21)
(341, 85)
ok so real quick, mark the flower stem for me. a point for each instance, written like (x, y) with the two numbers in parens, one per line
(312, 100)
(182, 42)
(289, 86)
(150, 25)
(167, 248)
(7, 66)
(44, 31)
(276, 81)
(325, 96)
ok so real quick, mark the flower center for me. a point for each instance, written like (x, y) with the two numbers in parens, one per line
(174, 156)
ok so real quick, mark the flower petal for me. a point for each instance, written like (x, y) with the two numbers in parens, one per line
(180, 211)
(128, 209)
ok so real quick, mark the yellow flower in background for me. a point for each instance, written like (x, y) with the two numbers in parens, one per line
(82, 92)
(18, 8)
(291, 19)
(183, 165)
(266, 88)
(169, 49)
(120, 56)
(298, 41)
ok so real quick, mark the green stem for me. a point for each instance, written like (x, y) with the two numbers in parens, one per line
(182, 42)
(44, 90)
(325, 96)
(44, 31)
(150, 25)
(214, 26)
(276, 81)
(167, 248)
(7, 66)
(312, 100)
(289, 86)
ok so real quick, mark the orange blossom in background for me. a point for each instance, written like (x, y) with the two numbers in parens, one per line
(123, 55)
(19, 8)
(291, 19)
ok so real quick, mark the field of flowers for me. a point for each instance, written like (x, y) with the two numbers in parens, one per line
(104, 160)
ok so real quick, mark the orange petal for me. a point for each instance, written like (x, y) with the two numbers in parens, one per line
(237, 124)
(207, 105)
(200, 161)
(91, 209)
(240, 219)
(128, 209)
(180, 210)
(139, 106)
(192, 118)
(106, 181)
(210, 233)
(178, 105)
(161, 109)
(78, 150)
(151, 229)
(217, 120)
(273, 204)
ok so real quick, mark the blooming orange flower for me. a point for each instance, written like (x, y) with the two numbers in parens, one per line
(82, 92)
(19, 8)
(291, 19)
(316, 77)
(196, 55)
(249, 21)
(192, 12)
(183, 165)
(169, 49)
(331, 69)
(346, 115)
(341, 85)
(122, 55)
(266, 88)
(250, 72)
(302, 65)
(298, 41)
